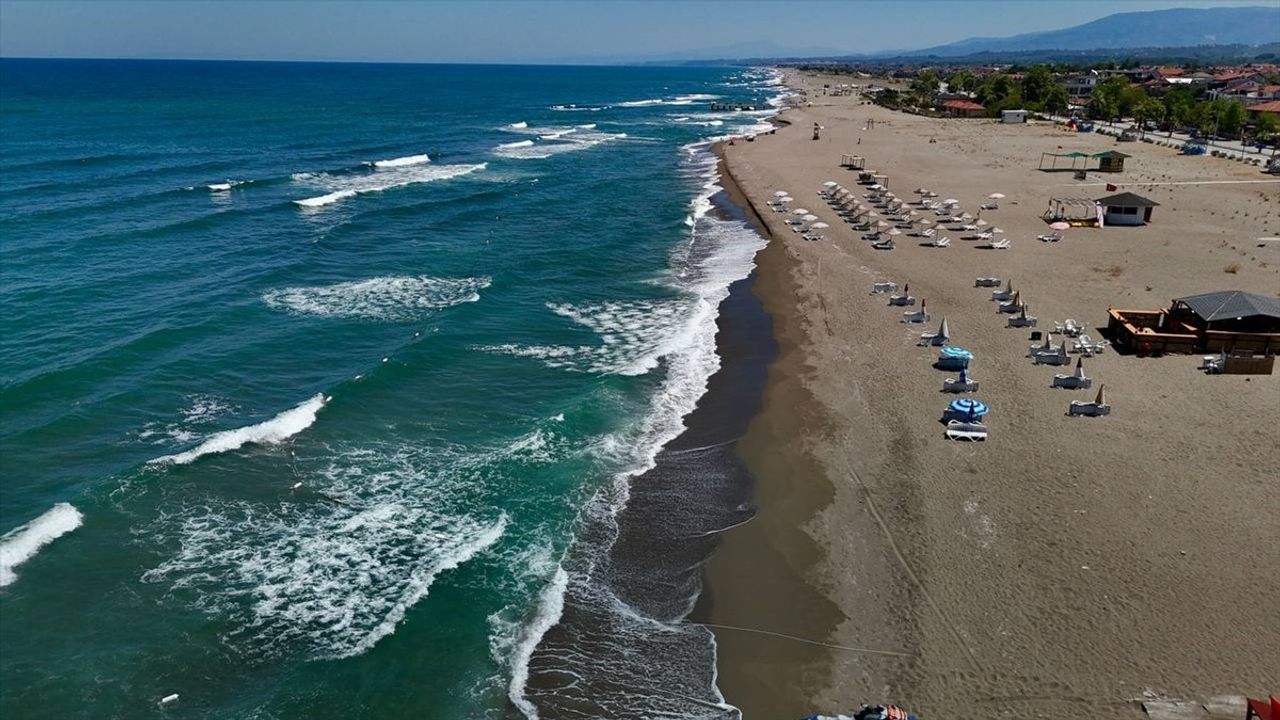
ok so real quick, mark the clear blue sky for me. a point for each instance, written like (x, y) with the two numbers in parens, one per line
(528, 31)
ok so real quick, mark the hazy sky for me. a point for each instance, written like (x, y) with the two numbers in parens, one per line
(528, 31)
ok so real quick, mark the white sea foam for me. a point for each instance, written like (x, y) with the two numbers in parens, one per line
(269, 432)
(391, 298)
(641, 103)
(579, 108)
(202, 410)
(567, 140)
(333, 568)
(226, 186)
(23, 542)
(402, 161)
(550, 607)
(343, 186)
(518, 125)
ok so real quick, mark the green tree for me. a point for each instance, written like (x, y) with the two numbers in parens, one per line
(995, 89)
(924, 86)
(1267, 126)
(1036, 85)
(962, 81)
(1056, 100)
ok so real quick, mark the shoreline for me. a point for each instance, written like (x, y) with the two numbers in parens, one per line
(766, 587)
(1068, 567)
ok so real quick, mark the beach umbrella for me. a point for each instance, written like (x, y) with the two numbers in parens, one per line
(996, 196)
(919, 191)
(955, 353)
(964, 376)
(931, 194)
(996, 230)
(951, 201)
(895, 231)
(1008, 285)
(969, 406)
(1062, 349)
(1079, 367)
(1060, 225)
(1017, 297)
(982, 223)
(799, 211)
(830, 183)
(944, 330)
(819, 225)
(780, 193)
(881, 223)
(926, 222)
(787, 199)
(1047, 344)
(809, 218)
(1101, 397)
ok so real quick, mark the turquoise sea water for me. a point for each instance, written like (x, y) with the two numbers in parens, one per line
(314, 375)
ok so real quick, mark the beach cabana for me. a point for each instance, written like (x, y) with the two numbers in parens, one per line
(1126, 208)
(1110, 161)
(1073, 210)
(1105, 161)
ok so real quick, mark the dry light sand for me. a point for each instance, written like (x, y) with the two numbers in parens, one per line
(1066, 565)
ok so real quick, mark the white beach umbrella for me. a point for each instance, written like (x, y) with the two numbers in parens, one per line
(966, 216)
(787, 199)
(926, 222)
(830, 183)
(895, 231)
(819, 225)
(881, 223)
(919, 191)
(982, 223)
(951, 201)
(799, 211)
(780, 193)
(996, 230)
(809, 218)
(996, 196)
(877, 187)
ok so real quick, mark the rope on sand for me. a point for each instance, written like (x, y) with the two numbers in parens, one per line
(866, 651)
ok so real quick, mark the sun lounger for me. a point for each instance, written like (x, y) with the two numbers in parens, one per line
(1022, 321)
(1071, 382)
(959, 386)
(886, 244)
(991, 206)
(970, 431)
(939, 242)
(916, 316)
(999, 245)
(987, 282)
(903, 300)
(883, 287)
(1091, 409)
(1049, 237)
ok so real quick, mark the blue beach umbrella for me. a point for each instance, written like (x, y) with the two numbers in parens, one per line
(969, 407)
(955, 353)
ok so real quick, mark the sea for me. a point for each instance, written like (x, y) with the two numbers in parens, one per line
(324, 388)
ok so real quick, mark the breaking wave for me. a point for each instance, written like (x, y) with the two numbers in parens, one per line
(343, 186)
(269, 432)
(23, 542)
(402, 161)
(391, 299)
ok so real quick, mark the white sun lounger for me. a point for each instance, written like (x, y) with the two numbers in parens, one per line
(1088, 408)
(1049, 237)
(999, 245)
(955, 386)
(883, 287)
(1022, 321)
(987, 282)
(971, 431)
(1071, 382)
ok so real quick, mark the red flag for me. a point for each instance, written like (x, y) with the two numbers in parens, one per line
(1111, 188)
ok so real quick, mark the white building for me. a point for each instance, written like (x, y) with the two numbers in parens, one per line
(1010, 117)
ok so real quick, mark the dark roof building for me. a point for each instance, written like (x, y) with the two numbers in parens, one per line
(1233, 305)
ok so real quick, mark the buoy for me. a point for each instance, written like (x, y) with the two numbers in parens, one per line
(385, 359)
(168, 699)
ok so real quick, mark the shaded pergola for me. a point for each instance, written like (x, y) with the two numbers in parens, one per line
(1073, 210)
(1106, 161)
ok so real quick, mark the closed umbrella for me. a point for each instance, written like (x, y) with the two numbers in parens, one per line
(1079, 368)
(1101, 398)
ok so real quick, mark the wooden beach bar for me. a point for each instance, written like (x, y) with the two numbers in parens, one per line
(1228, 321)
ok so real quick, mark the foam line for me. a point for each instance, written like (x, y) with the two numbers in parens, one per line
(269, 432)
(23, 542)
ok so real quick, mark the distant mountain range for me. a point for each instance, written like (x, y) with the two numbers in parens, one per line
(1233, 30)
(1182, 27)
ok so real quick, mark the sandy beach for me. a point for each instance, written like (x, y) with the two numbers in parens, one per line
(1068, 565)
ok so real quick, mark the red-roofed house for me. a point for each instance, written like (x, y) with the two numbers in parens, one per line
(962, 108)
(1271, 107)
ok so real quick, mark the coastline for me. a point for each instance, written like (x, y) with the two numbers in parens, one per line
(1070, 567)
(768, 586)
